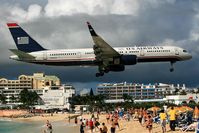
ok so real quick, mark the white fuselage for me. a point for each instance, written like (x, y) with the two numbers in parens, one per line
(86, 56)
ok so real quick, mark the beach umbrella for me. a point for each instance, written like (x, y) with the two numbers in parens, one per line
(154, 109)
(186, 108)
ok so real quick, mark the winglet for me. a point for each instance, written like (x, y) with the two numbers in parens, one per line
(12, 25)
(92, 31)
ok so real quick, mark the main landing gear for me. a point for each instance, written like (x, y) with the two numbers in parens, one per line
(99, 74)
(172, 68)
(102, 70)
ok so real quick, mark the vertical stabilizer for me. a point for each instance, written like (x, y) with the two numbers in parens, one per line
(23, 41)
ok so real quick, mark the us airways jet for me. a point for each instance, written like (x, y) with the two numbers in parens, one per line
(102, 54)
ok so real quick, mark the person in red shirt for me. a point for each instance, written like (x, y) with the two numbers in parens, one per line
(91, 125)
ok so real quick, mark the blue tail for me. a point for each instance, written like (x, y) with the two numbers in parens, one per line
(22, 40)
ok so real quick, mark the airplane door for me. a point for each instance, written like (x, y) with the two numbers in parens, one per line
(45, 55)
(79, 54)
(176, 52)
(141, 52)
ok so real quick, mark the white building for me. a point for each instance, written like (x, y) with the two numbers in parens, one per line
(137, 91)
(57, 97)
(178, 99)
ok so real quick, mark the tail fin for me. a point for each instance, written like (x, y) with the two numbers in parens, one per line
(22, 40)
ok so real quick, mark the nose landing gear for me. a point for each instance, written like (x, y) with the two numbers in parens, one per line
(172, 67)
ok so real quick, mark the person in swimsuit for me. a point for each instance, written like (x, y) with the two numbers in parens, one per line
(149, 124)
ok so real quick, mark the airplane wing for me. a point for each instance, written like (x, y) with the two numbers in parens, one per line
(105, 55)
(22, 55)
(100, 46)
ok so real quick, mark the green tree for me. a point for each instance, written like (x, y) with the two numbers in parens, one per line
(3, 98)
(13, 98)
(28, 98)
(183, 92)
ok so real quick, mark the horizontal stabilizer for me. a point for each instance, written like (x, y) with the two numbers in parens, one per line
(22, 55)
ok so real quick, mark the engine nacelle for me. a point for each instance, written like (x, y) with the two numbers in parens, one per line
(116, 68)
(128, 59)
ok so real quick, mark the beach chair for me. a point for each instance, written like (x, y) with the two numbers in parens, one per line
(190, 127)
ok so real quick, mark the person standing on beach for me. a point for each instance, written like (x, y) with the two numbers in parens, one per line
(69, 119)
(91, 125)
(163, 117)
(172, 118)
(96, 124)
(140, 116)
(104, 128)
(48, 127)
(149, 123)
(75, 120)
(116, 122)
(82, 128)
(108, 117)
(112, 126)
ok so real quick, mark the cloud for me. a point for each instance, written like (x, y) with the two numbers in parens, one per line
(97, 7)
(20, 15)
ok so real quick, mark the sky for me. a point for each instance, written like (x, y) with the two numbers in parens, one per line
(61, 24)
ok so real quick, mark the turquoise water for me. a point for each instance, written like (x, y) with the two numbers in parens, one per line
(8, 126)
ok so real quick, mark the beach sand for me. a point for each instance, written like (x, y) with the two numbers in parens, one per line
(132, 126)
(61, 125)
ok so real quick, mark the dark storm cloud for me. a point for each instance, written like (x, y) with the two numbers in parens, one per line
(153, 23)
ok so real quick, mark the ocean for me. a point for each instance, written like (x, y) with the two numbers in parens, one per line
(9, 126)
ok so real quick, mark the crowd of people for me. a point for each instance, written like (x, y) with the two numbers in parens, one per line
(147, 118)
(93, 123)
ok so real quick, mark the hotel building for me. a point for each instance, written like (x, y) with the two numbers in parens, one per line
(36, 82)
(136, 91)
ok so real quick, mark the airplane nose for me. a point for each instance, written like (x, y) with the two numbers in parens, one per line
(189, 56)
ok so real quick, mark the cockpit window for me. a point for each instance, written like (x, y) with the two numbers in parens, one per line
(184, 50)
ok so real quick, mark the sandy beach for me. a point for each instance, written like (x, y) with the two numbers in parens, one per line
(10, 113)
(61, 124)
(131, 126)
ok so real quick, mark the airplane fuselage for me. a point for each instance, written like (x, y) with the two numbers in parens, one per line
(102, 54)
(86, 56)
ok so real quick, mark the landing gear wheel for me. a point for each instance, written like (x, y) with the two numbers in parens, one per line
(172, 68)
(106, 71)
(99, 74)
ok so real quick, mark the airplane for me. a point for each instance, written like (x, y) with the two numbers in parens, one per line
(102, 54)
